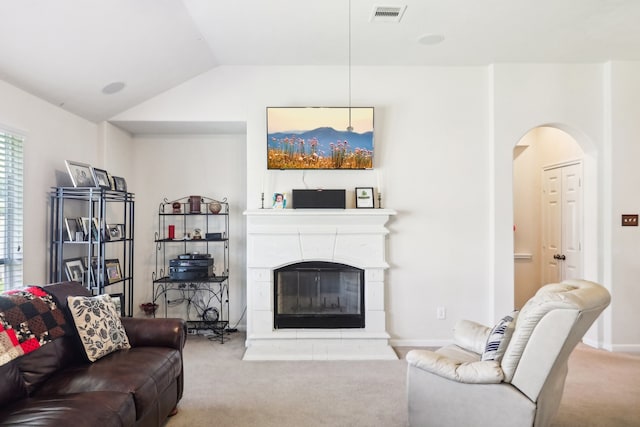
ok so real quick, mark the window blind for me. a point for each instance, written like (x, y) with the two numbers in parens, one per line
(11, 210)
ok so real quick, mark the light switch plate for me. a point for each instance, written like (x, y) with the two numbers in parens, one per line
(630, 220)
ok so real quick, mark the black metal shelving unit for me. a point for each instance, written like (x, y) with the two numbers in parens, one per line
(107, 207)
(202, 302)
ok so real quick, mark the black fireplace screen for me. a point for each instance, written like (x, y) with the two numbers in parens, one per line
(319, 295)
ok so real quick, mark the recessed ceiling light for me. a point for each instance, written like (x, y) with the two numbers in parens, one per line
(430, 39)
(112, 88)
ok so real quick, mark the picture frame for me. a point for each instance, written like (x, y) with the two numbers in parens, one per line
(73, 228)
(90, 227)
(279, 201)
(112, 270)
(96, 228)
(101, 177)
(118, 301)
(74, 268)
(114, 232)
(81, 174)
(85, 223)
(92, 268)
(119, 183)
(364, 198)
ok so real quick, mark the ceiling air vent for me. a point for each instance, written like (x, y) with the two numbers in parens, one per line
(387, 13)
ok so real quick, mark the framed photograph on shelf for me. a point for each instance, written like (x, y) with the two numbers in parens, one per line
(119, 183)
(102, 178)
(75, 269)
(118, 301)
(112, 270)
(364, 197)
(95, 228)
(74, 231)
(92, 268)
(81, 174)
(279, 200)
(115, 232)
(90, 227)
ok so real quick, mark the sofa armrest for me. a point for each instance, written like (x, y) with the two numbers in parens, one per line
(477, 372)
(471, 336)
(155, 332)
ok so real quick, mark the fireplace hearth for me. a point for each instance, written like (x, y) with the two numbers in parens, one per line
(318, 294)
(316, 284)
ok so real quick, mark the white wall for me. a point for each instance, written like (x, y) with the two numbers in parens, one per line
(173, 167)
(625, 199)
(52, 136)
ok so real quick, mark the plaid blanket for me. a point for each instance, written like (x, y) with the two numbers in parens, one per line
(29, 319)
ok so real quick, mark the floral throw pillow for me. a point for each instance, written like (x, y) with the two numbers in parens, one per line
(98, 325)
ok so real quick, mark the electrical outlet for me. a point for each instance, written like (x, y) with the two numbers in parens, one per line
(441, 313)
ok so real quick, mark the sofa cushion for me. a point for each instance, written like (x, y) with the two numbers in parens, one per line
(145, 372)
(99, 408)
(499, 338)
(98, 324)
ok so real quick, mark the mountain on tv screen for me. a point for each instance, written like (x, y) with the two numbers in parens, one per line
(319, 137)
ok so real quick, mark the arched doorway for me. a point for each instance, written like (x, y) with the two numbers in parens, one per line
(547, 210)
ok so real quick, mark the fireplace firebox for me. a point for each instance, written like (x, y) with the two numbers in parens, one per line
(317, 294)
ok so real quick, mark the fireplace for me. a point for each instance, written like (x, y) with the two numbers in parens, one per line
(316, 284)
(318, 294)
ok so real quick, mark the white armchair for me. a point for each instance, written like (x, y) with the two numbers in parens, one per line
(453, 386)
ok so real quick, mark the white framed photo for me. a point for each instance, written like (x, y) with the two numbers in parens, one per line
(75, 269)
(279, 201)
(81, 174)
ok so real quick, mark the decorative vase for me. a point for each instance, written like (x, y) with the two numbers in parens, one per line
(215, 207)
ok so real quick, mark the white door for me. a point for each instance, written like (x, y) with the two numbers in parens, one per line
(562, 223)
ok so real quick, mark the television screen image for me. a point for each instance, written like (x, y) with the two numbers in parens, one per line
(319, 138)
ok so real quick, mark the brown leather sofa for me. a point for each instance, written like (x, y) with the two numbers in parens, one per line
(56, 384)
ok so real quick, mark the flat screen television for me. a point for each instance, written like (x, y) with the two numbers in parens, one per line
(319, 138)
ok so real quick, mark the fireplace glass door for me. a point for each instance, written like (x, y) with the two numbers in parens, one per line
(319, 295)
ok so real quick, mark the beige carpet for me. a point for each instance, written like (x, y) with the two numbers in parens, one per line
(603, 389)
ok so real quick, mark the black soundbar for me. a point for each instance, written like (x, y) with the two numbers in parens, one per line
(318, 199)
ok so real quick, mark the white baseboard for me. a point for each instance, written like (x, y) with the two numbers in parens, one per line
(626, 348)
(615, 348)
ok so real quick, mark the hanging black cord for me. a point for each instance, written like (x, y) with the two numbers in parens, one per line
(350, 128)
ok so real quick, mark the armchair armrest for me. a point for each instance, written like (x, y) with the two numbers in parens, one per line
(155, 332)
(478, 372)
(471, 335)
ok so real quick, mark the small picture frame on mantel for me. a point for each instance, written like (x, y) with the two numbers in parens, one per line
(364, 197)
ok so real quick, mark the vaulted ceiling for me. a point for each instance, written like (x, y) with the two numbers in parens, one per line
(71, 52)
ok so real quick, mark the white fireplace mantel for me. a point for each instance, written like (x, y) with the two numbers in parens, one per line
(354, 237)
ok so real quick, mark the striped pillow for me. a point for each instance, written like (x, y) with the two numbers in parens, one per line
(499, 337)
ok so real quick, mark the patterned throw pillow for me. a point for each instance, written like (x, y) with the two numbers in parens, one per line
(98, 324)
(499, 338)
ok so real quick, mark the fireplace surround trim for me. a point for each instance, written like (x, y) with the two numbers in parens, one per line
(354, 237)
